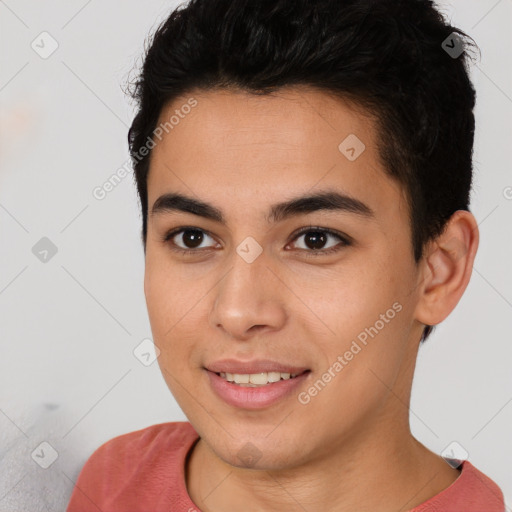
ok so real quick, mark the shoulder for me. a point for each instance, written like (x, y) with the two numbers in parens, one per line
(481, 489)
(137, 464)
(141, 443)
(473, 491)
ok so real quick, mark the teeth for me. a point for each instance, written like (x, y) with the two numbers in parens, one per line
(273, 376)
(240, 379)
(256, 379)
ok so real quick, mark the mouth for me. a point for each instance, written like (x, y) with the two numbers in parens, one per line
(248, 386)
(254, 380)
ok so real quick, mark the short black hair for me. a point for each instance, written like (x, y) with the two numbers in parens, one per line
(397, 59)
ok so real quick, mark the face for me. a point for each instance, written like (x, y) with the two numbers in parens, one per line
(323, 289)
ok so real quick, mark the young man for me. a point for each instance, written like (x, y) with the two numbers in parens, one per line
(304, 171)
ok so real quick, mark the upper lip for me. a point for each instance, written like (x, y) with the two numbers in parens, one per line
(253, 366)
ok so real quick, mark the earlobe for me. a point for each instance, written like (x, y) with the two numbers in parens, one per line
(447, 268)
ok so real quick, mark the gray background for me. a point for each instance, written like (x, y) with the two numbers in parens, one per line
(69, 326)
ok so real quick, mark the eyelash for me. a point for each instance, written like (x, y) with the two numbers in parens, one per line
(308, 253)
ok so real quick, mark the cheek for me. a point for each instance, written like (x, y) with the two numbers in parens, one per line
(359, 375)
(175, 307)
(368, 315)
(168, 295)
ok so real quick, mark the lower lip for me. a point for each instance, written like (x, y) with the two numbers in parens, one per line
(247, 397)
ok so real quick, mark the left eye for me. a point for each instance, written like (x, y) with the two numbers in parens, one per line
(316, 236)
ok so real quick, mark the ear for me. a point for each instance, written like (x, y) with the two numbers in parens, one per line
(446, 268)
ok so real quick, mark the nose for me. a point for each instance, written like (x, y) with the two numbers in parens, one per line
(250, 298)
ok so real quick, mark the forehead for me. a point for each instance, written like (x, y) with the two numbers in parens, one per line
(245, 151)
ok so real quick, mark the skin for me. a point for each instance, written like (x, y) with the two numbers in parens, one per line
(349, 448)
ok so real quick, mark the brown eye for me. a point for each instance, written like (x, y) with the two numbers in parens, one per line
(316, 238)
(191, 238)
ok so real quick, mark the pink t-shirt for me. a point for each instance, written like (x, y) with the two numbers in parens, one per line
(144, 471)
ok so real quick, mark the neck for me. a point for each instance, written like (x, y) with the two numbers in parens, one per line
(392, 473)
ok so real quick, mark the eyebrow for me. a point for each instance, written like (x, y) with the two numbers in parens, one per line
(324, 200)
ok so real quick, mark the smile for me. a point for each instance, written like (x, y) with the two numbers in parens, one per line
(256, 379)
(256, 390)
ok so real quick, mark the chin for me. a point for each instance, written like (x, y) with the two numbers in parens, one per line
(260, 453)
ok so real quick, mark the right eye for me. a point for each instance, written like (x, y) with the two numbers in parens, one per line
(191, 235)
